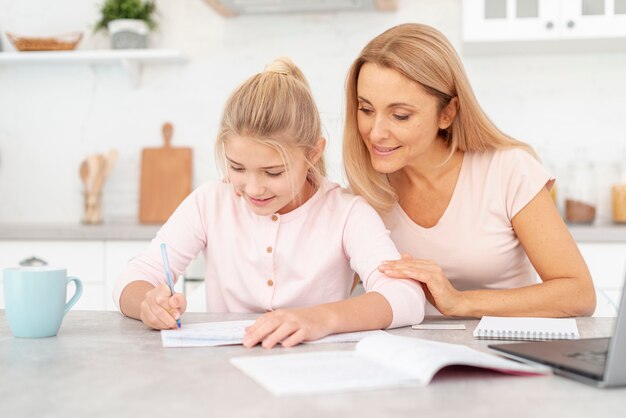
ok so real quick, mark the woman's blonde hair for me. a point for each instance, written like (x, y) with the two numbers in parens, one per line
(424, 55)
(275, 108)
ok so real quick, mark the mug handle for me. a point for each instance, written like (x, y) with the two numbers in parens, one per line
(77, 293)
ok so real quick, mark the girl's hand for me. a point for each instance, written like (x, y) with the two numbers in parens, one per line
(288, 327)
(438, 289)
(160, 309)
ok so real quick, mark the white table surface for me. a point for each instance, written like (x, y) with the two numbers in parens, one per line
(104, 365)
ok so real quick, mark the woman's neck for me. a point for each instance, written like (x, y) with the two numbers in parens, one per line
(430, 168)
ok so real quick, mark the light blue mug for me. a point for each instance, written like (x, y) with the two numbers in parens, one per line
(34, 299)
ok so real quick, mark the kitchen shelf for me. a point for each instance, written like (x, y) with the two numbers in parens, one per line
(132, 60)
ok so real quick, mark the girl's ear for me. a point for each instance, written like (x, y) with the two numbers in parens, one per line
(318, 150)
(448, 113)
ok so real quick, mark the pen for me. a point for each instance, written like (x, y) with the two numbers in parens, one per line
(168, 273)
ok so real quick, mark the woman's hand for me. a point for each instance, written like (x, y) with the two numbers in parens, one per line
(160, 309)
(289, 327)
(438, 289)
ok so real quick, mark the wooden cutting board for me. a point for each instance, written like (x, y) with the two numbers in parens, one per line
(166, 175)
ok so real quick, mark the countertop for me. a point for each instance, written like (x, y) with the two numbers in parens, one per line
(134, 231)
(102, 364)
(78, 231)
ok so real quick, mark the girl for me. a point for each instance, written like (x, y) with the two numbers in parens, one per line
(469, 203)
(277, 237)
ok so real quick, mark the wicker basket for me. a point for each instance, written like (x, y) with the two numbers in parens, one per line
(64, 42)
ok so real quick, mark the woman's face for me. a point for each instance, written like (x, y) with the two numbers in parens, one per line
(397, 119)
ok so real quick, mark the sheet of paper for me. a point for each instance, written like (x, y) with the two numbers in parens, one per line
(211, 334)
(347, 337)
(319, 372)
(208, 334)
(438, 325)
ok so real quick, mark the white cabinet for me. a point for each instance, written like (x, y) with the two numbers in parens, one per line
(532, 20)
(580, 19)
(82, 259)
(509, 20)
(118, 253)
(607, 263)
(98, 263)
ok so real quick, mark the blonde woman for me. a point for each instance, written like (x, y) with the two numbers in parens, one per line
(468, 206)
(278, 238)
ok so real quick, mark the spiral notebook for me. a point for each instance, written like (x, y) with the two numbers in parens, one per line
(534, 329)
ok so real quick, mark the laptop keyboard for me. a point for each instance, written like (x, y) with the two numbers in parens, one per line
(593, 357)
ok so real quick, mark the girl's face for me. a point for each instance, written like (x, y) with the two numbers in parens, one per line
(259, 174)
(397, 119)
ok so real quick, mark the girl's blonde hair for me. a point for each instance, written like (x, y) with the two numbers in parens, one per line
(275, 108)
(424, 55)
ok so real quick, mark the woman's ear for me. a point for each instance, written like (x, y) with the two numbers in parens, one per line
(448, 113)
(317, 151)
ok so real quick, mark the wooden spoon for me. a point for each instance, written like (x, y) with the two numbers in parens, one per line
(84, 173)
(168, 130)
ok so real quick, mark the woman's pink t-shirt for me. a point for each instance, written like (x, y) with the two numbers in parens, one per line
(474, 241)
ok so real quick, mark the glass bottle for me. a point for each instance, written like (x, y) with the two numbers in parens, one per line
(580, 195)
(618, 193)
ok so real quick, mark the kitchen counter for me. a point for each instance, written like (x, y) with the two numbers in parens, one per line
(105, 365)
(77, 231)
(134, 231)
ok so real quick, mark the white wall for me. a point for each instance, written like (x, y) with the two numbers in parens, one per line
(51, 116)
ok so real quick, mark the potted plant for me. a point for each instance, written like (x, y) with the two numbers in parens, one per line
(128, 22)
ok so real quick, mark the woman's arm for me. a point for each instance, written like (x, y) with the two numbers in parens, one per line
(566, 288)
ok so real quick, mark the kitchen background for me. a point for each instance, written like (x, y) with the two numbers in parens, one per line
(565, 98)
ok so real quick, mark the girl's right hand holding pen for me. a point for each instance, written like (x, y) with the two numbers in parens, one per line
(160, 309)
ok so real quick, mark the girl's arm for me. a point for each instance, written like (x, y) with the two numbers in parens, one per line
(566, 289)
(141, 291)
(387, 303)
(154, 306)
(293, 326)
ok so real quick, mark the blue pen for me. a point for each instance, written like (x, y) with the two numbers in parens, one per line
(168, 273)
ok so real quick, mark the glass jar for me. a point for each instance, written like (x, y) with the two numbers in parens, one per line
(545, 156)
(580, 194)
(618, 193)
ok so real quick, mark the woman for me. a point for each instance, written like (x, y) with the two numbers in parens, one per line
(468, 206)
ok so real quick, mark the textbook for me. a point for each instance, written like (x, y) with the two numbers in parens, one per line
(212, 334)
(380, 361)
(517, 328)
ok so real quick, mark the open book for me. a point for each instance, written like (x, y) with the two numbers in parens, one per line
(379, 361)
(211, 334)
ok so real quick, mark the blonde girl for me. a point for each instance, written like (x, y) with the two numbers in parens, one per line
(278, 238)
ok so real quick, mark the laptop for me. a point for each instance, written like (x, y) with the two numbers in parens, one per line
(597, 361)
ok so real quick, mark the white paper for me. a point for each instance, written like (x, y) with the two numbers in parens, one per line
(519, 328)
(208, 334)
(380, 361)
(439, 325)
(319, 372)
(346, 337)
(211, 334)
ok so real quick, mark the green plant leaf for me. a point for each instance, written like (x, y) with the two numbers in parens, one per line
(127, 9)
